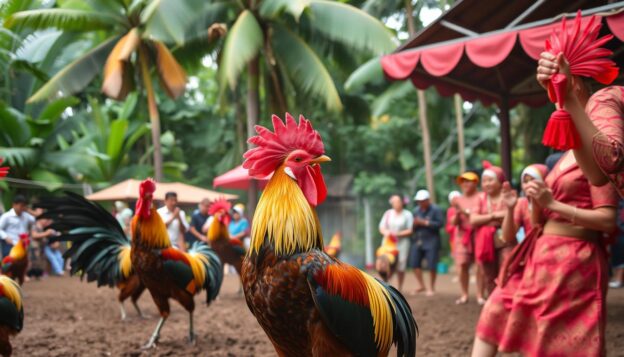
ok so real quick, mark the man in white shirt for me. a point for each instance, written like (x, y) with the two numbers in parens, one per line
(175, 220)
(13, 223)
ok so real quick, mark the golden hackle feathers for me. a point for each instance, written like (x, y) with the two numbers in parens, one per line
(198, 264)
(172, 75)
(11, 291)
(18, 251)
(125, 261)
(150, 232)
(284, 217)
(382, 309)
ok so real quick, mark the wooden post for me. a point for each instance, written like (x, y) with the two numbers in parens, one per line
(459, 122)
(253, 110)
(505, 132)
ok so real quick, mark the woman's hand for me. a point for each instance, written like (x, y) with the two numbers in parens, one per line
(540, 193)
(548, 65)
(510, 196)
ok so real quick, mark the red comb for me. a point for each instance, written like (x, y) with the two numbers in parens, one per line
(148, 186)
(4, 170)
(274, 146)
(581, 47)
(23, 236)
(219, 204)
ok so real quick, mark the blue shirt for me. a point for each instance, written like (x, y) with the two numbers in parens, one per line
(197, 220)
(237, 227)
(428, 236)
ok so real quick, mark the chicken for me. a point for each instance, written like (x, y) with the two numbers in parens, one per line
(387, 255)
(15, 264)
(308, 303)
(230, 251)
(335, 246)
(11, 313)
(167, 272)
(100, 248)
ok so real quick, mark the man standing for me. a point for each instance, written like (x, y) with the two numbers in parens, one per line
(13, 223)
(199, 217)
(428, 220)
(397, 223)
(175, 220)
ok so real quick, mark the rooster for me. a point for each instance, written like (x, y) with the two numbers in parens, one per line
(335, 246)
(167, 272)
(387, 255)
(230, 251)
(15, 264)
(11, 313)
(100, 249)
(308, 303)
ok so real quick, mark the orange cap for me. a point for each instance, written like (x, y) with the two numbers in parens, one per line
(467, 176)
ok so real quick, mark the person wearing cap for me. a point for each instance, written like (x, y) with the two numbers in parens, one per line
(519, 209)
(397, 223)
(490, 248)
(463, 248)
(428, 219)
(239, 225)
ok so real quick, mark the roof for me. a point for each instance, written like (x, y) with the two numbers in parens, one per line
(444, 53)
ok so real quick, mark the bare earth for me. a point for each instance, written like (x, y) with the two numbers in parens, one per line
(66, 317)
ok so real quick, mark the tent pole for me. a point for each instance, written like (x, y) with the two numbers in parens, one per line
(505, 131)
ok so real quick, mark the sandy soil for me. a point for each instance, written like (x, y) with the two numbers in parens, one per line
(66, 317)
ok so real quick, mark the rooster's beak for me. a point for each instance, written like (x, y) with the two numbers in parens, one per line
(321, 159)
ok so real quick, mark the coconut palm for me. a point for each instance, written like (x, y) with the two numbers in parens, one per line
(280, 39)
(131, 38)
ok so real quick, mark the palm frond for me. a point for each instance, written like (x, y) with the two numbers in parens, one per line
(272, 8)
(76, 75)
(172, 75)
(63, 19)
(369, 72)
(304, 68)
(243, 43)
(350, 26)
(167, 20)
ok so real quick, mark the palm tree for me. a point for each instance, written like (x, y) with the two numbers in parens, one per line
(280, 39)
(134, 36)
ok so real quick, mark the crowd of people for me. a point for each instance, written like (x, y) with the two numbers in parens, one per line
(46, 257)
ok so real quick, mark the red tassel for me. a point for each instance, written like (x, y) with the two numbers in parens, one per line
(560, 132)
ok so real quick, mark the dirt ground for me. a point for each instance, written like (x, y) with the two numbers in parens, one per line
(66, 317)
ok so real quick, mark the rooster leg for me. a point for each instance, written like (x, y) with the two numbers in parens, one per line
(156, 335)
(123, 311)
(138, 310)
(192, 336)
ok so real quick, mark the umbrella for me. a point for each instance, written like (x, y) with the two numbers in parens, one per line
(238, 179)
(128, 190)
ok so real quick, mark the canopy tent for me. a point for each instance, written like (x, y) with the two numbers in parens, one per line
(128, 190)
(488, 51)
(238, 179)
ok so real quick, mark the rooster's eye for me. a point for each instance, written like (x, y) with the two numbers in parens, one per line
(298, 159)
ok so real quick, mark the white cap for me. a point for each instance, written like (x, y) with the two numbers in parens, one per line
(452, 195)
(421, 195)
(239, 208)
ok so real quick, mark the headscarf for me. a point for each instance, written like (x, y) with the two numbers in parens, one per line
(536, 171)
(493, 171)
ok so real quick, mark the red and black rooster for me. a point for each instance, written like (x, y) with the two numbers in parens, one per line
(231, 251)
(15, 264)
(11, 313)
(100, 249)
(307, 302)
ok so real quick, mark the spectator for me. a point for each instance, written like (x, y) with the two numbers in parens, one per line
(52, 251)
(428, 220)
(397, 223)
(13, 223)
(196, 231)
(617, 251)
(239, 226)
(450, 227)
(175, 220)
(124, 216)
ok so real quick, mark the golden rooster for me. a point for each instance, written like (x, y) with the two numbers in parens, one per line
(167, 272)
(307, 302)
(230, 251)
(334, 247)
(100, 249)
(15, 264)
(11, 313)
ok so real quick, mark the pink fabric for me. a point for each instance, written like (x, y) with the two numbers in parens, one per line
(439, 61)
(553, 303)
(490, 51)
(522, 215)
(532, 40)
(616, 25)
(484, 244)
(400, 65)
(237, 179)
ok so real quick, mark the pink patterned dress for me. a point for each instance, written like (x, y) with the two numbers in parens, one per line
(606, 110)
(463, 246)
(555, 305)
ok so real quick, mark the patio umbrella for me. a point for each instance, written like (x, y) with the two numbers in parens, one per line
(238, 179)
(128, 190)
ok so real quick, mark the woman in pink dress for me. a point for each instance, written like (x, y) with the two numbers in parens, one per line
(551, 298)
(451, 212)
(463, 246)
(490, 249)
(519, 209)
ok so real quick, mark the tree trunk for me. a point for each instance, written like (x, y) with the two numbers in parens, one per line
(422, 112)
(153, 113)
(459, 121)
(253, 110)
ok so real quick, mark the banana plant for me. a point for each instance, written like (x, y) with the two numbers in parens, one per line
(135, 36)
